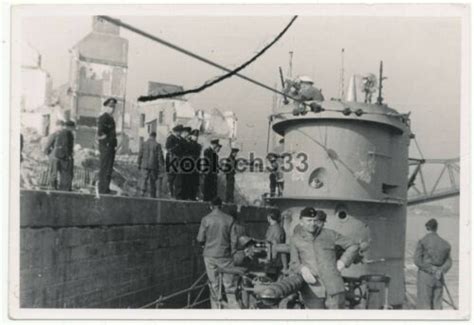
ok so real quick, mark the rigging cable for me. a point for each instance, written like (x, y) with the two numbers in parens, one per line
(200, 58)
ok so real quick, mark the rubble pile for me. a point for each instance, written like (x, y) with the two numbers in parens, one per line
(35, 163)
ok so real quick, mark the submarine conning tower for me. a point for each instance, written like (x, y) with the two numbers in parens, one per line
(357, 171)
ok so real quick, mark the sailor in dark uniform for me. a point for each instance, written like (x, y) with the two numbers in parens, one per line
(184, 167)
(231, 163)
(107, 144)
(195, 154)
(433, 259)
(276, 175)
(172, 143)
(211, 170)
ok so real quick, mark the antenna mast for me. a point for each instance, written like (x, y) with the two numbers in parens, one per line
(381, 79)
(342, 74)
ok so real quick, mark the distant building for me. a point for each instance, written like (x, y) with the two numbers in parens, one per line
(35, 81)
(131, 127)
(36, 87)
(162, 114)
(98, 70)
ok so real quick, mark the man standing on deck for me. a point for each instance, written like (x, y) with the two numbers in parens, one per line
(433, 259)
(303, 90)
(172, 144)
(150, 163)
(313, 255)
(107, 144)
(276, 175)
(276, 235)
(216, 236)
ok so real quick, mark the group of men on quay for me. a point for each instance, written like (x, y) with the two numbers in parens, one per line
(183, 164)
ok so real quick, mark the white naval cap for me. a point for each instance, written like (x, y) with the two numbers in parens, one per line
(305, 79)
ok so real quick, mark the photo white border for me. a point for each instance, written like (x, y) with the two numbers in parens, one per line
(434, 10)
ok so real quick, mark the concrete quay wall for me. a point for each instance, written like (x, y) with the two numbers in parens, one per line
(79, 251)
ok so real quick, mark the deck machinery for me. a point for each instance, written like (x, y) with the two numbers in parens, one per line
(357, 170)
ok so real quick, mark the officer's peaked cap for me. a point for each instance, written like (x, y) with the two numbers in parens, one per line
(110, 100)
(308, 212)
(70, 123)
(305, 79)
(271, 155)
(178, 128)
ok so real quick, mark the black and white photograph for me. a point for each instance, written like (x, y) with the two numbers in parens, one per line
(239, 161)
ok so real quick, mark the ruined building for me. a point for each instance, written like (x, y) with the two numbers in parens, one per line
(161, 115)
(98, 70)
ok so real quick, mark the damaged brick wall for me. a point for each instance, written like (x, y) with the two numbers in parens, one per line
(77, 251)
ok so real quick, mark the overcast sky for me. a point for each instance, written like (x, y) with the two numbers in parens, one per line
(421, 59)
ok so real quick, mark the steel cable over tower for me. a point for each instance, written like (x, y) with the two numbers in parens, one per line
(200, 58)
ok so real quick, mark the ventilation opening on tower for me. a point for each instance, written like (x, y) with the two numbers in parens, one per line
(341, 212)
(389, 188)
(317, 178)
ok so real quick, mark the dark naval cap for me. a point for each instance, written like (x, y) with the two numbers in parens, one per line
(70, 123)
(308, 212)
(271, 156)
(215, 141)
(178, 128)
(109, 101)
(432, 224)
(186, 129)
